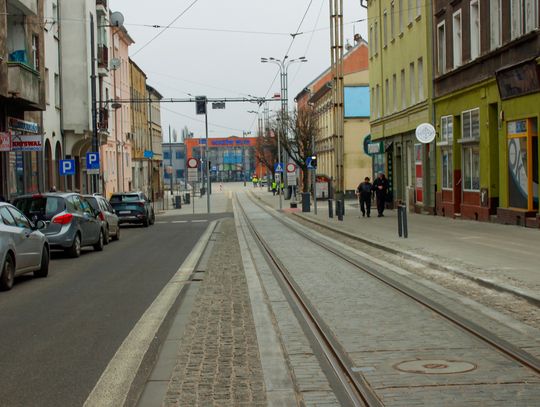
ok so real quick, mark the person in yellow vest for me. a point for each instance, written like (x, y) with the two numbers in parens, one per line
(254, 180)
(274, 187)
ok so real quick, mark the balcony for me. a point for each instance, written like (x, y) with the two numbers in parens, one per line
(103, 119)
(23, 83)
(103, 56)
(28, 7)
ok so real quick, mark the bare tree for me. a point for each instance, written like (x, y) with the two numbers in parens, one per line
(266, 150)
(302, 128)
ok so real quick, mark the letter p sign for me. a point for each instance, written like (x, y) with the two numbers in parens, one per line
(92, 161)
(67, 167)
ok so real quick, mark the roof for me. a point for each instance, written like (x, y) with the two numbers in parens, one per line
(154, 92)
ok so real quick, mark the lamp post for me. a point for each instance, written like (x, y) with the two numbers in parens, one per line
(244, 134)
(283, 70)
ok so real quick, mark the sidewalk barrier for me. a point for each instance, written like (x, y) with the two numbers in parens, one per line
(330, 209)
(306, 204)
(178, 202)
(402, 221)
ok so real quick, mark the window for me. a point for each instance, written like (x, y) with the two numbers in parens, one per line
(495, 18)
(378, 101)
(403, 91)
(394, 92)
(475, 29)
(20, 220)
(47, 89)
(392, 21)
(471, 168)
(456, 26)
(420, 79)
(470, 120)
(6, 217)
(418, 8)
(531, 15)
(387, 97)
(412, 88)
(179, 173)
(35, 52)
(57, 90)
(441, 49)
(167, 175)
(372, 101)
(385, 28)
(447, 129)
(166, 155)
(447, 168)
(524, 17)
(376, 44)
(371, 40)
(401, 16)
(179, 154)
(410, 10)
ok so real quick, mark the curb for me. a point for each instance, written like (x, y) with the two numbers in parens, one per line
(527, 295)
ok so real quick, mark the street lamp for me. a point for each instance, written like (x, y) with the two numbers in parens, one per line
(283, 70)
(244, 134)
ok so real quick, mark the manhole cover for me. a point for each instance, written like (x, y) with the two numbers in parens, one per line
(435, 366)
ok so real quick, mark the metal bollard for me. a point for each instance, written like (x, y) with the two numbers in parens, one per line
(405, 226)
(330, 209)
(400, 221)
(339, 210)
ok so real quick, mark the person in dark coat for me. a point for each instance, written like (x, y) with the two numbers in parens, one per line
(380, 186)
(364, 192)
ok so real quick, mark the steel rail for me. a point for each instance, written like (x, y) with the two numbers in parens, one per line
(357, 388)
(486, 336)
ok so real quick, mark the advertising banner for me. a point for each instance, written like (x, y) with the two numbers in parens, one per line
(27, 142)
(5, 141)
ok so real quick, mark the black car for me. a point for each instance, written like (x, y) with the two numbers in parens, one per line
(133, 207)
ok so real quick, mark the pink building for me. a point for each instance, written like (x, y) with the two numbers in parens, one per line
(116, 154)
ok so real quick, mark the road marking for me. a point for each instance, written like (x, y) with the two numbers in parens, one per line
(179, 221)
(161, 222)
(115, 382)
(199, 221)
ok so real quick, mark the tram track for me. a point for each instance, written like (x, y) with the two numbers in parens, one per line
(484, 335)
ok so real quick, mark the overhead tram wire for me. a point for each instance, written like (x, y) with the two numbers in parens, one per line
(198, 120)
(166, 27)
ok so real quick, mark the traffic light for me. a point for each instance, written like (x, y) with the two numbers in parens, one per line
(200, 104)
(314, 161)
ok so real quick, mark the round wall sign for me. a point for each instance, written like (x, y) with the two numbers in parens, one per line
(425, 133)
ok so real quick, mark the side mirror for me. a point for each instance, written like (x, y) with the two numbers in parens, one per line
(40, 225)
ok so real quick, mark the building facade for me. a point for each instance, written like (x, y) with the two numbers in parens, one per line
(401, 98)
(318, 95)
(487, 90)
(22, 96)
(174, 164)
(156, 131)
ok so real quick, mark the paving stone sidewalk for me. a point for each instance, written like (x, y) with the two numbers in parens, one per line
(218, 359)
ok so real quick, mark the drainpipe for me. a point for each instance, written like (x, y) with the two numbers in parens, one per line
(431, 96)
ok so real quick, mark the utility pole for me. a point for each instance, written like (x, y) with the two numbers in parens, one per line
(207, 162)
(170, 155)
(95, 143)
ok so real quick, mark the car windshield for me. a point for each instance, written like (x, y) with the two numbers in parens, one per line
(125, 198)
(40, 207)
(93, 203)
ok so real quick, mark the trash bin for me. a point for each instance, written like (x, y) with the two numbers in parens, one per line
(187, 198)
(178, 202)
(306, 202)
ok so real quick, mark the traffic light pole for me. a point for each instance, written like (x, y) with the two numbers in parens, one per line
(207, 160)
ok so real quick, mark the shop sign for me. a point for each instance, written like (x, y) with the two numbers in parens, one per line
(425, 133)
(22, 126)
(375, 148)
(518, 80)
(27, 142)
(5, 141)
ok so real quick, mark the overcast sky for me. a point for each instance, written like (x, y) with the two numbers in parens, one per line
(200, 55)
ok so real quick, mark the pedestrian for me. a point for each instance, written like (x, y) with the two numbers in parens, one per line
(380, 186)
(281, 187)
(274, 187)
(364, 193)
(255, 181)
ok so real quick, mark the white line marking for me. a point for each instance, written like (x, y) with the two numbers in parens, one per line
(114, 384)
(179, 221)
(199, 221)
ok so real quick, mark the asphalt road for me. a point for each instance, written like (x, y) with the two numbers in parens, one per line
(58, 334)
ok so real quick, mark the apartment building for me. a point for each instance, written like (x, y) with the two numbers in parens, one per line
(487, 102)
(400, 77)
(22, 96)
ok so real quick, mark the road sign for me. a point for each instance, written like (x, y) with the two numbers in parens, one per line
(67, 167)
(308, 162)
(149, 154)
(291, 179)
(278, 168)
(291, 167)
(92, 163)
(192, 163)
(193, 174)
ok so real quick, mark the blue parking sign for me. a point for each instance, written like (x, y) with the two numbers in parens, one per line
(67, 167)
(92, 161)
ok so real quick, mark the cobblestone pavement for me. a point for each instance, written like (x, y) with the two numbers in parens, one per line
(218, 360)
(381, 330)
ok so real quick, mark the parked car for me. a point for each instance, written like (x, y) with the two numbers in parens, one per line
(23, 248)
(133, 207)
(109, 219)
(71, 221)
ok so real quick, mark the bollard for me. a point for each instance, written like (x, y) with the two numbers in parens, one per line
(405, 226)
(399, 221)
(330, 209)
(339, 210)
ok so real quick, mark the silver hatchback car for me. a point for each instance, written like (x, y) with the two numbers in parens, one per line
(71, 221)
(23, 248)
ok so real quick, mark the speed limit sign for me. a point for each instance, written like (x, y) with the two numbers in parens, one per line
(192, 163)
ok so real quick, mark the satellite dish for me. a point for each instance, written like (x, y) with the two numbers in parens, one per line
(115, 64)
(117, 19)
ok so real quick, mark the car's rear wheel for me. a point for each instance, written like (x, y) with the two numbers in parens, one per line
(8, 273)
(146, 222)
(98, 246)
(44, 269)
(107, 236)
(153, 219)
(75, 249)
(117, 235)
